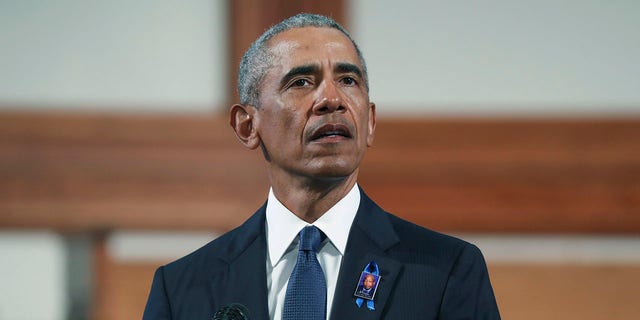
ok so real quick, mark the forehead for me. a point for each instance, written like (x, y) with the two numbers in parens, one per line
(308, 45)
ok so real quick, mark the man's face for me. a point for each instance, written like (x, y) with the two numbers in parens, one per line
(368, 282)
(314, 117)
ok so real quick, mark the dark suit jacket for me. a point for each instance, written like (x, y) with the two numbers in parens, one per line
(424, 274)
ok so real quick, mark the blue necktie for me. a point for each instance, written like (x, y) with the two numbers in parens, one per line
(306, 296)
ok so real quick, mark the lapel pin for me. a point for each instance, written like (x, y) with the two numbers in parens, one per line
(368, 285)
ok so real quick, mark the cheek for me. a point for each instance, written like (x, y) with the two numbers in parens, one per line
(285, 126)
(287, 120)
(356, 94)
(362, 118)
(360, 105)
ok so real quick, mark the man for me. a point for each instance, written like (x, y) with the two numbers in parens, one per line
(305, 103)
(368, 282)
(366, 289)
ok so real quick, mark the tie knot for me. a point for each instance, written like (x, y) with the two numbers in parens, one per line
(310, 238)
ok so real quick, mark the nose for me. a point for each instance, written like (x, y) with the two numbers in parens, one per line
(329, 99)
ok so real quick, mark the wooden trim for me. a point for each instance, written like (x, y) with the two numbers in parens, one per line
(98, 172)
(566, 291)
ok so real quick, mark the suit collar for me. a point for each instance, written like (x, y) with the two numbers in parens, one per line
(244, 279)
(374, 224)
(371, 236)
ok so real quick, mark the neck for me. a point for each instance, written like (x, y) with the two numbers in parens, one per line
(310, 198)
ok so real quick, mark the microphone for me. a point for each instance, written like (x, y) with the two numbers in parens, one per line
(234, 311)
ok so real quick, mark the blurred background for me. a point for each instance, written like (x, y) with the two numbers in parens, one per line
(512, 124)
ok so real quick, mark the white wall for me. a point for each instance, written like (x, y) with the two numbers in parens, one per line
(429, 57)
(141, 55)
(501, 57)
(157, 246)
(32, 276)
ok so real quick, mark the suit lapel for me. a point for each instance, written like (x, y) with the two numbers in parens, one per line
(244, 280)
(371, 235)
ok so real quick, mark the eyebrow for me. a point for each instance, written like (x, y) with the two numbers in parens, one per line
(300, 70)
(344, 67)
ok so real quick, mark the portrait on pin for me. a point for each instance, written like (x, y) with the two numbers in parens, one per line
(367, 285)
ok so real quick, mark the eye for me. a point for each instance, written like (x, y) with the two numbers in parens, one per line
(300, 83)
(349, 81)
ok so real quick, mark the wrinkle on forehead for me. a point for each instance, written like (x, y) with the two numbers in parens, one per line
(334, 45)
(308, 38)
(284, 48)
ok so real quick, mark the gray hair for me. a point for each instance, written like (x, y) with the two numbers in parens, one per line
(257, 60)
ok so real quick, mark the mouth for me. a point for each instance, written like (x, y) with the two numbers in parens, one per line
(331, 132)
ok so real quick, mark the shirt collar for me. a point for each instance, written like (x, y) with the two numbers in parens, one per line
(283, 226)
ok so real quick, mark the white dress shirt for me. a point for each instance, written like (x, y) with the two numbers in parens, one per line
(282, 240)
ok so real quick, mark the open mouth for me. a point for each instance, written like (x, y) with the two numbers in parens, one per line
(331, 131)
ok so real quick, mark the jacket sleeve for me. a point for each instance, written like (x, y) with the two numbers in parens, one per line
(158, 307)
(468, 293)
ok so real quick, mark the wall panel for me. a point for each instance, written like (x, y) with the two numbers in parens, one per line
(99, 172)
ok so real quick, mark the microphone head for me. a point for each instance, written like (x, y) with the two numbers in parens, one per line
(234, 311)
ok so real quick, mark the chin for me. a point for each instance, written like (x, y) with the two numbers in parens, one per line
(334, 170)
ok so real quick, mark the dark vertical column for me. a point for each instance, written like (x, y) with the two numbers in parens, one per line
(80, 272)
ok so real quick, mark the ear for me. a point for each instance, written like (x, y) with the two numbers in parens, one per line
(242, 120)
(372, 124)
